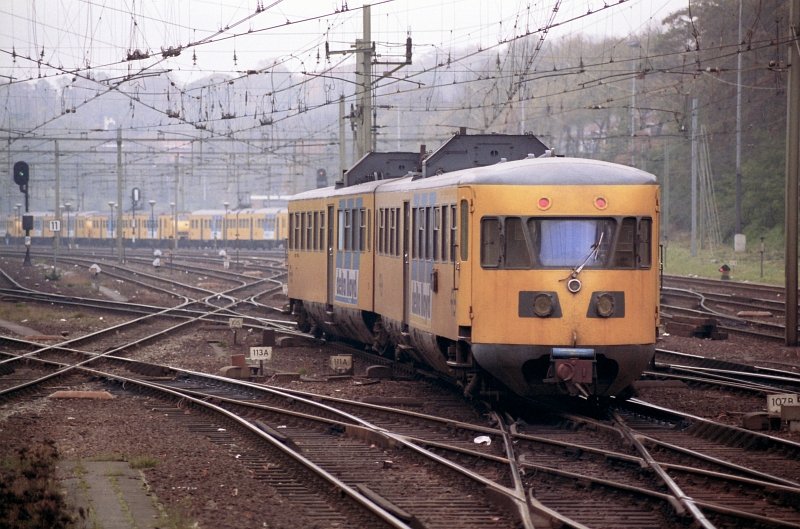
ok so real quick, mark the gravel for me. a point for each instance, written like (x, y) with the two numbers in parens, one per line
(199, 481)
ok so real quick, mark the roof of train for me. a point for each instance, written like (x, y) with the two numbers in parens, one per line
(244, 211)
(531, 171)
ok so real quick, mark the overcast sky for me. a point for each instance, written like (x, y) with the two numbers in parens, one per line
(241, 35)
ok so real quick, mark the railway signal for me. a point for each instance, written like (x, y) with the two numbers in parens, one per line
(21, 177)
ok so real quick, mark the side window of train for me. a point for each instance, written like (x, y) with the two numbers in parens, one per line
(464, 239)
(292, 235)
(453, 232)
(645, 235)
(322, 243)
(491, 240)
(394, 237)
(340, 238)
(436, 229)
(310, 231)
(363, 230)
(355, 241)
(444, 232)
(315, 229)
(348, 229)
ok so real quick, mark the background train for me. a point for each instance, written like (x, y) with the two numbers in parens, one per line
(263, 228)
(541, 273)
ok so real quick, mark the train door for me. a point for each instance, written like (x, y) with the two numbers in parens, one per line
(329, 245)
(406, 261)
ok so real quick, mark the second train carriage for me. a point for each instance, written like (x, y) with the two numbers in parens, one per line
(542, 272)
(247, 227)
(263, 228)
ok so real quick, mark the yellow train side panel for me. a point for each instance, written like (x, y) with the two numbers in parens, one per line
(307, 269)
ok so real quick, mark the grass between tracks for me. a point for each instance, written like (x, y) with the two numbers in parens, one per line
(745, 266)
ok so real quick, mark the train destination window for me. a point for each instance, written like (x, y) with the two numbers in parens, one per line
(541, 242)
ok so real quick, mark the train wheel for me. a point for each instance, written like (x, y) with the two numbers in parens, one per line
(303, 321)
(381, 343)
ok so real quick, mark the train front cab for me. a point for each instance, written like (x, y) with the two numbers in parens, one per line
(564, 286)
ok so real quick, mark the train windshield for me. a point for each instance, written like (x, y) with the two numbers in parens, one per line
(540, 242)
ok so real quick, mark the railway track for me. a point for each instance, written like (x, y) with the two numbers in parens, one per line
(348, 462)
(751, 310)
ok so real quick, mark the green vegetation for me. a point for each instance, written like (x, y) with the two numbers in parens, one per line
(17, 311)
(745, 266)
(142, 462)
(29, 494)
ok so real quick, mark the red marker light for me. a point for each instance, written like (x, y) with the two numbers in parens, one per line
(544, 203)
(600, 203)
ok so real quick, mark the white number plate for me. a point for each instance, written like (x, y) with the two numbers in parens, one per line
(774, 402)
(261, 353)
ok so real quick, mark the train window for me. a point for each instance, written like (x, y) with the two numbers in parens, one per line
(643, 250)
(437, 227)
(516, 248)
(362, 230)
(348, 229)
(303, 240)
(322, 231)
(443, 232)
(315, 246)
(415, 232)
(379, 227)
(536, 242)
(453, 226)
(423, 234)
(309, 231)
(340, 238)
(624, 252)
(394, 246)
(464, 230)
(387, 231)
(296, 231)
(491, 240)
(573, 242)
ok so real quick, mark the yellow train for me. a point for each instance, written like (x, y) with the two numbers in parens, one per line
(248, 228)
(541, 274)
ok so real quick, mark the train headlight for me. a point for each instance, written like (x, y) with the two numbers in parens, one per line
(605, 305)
(574, 285)
(543, 305)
